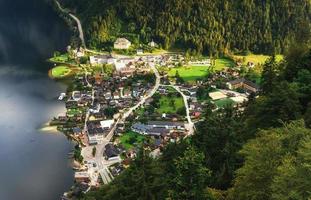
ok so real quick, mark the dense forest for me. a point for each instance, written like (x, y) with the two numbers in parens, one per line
(202, 26)
(260, 153)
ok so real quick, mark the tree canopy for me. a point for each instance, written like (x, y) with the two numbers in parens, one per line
(209, 26)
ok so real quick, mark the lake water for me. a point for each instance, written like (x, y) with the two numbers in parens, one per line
(33, 165)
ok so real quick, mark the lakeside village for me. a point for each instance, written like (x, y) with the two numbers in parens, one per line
(117, 104)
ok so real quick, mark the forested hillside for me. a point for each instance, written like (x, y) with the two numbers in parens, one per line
(209, 26)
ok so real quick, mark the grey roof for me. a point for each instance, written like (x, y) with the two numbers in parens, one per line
(165, 123)
(102, 56)
(111, 151)
(245, 81)
(93, 127)
(237, 81)
(77, 130)
(251, 84)
(158, 142)
(158, 131)
(140, 127)
(150, 130)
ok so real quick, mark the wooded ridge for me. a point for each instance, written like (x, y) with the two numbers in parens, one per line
(208, 26)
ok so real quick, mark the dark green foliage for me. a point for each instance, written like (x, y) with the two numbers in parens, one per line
(209, 26)
(77, 154)
(179, 80)
(303, 81)
(110, 111)
(307, 116)
(270, 75)
(280, 105)
(94, 151)
(277, 165)
(220, 138)
(190, 177)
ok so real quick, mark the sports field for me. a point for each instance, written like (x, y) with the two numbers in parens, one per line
(193, 73)
(60, 71)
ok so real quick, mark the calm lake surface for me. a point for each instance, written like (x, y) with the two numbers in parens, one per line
(33, 164)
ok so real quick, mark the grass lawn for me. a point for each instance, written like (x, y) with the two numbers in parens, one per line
(223, 102)
(167, 107)
(72, 112)
(62, 58)
(258, 59)
(97, 68)
(60, 71)
(222, 63)
(190, 73)
(193, 73)
(130, 139)
(156, 52)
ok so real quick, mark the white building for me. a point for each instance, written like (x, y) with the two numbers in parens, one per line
(82, 177)
(122, 63)
(102, 59)
(95, 139)
(205, 62)
(152, 44)
(106, 124)
(122, 43)
(140, 52)
(119, 65)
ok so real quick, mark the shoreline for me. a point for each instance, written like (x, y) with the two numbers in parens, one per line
(46, 127)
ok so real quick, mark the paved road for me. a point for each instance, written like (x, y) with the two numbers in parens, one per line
(81, 35)
(101, 164)
(76, 19)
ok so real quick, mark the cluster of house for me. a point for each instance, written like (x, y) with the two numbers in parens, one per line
(125, 66)
(98, 130)
(236, 90)
(196, 108)
(161, 131)
(231, 79)
(111, 97)
(76, 101)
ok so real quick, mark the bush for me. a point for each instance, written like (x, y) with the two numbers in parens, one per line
(94, 151)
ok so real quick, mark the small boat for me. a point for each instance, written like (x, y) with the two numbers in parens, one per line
(61, 96)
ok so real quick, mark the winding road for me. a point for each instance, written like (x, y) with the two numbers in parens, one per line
(76, 19)
(190, 125)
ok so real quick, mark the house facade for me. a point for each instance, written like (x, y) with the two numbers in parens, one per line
(102, 59)
(122, 43)
(243, 83)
